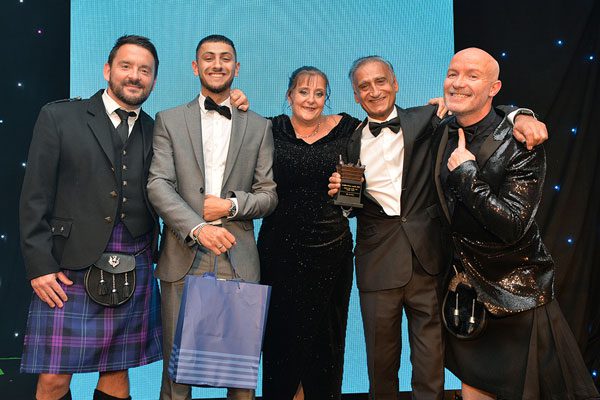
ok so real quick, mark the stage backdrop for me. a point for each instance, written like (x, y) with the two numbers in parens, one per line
(272, 39)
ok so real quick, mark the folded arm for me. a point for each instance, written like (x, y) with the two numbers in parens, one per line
(177, 214)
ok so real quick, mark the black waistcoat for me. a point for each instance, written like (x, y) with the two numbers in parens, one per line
(131, 183)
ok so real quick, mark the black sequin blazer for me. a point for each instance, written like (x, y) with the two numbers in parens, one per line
(498, 242)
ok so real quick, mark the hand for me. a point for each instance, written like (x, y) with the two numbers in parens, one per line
(239, 100)
(215, 208)
(460, 154)
(335, 182)
(216, 239)
(439, 101)
(49, 291)
(529, 131)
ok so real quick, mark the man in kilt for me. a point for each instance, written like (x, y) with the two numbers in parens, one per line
(83, 196)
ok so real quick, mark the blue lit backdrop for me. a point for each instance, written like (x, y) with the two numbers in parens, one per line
(272, 39)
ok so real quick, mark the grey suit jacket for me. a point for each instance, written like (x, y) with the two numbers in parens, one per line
(176, 186)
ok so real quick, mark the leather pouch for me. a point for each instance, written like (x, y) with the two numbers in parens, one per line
(110, 282)
(464, 316)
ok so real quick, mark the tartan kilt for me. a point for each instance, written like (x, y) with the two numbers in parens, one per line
(84, 336)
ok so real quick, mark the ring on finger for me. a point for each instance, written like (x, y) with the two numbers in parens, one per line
(220, 246)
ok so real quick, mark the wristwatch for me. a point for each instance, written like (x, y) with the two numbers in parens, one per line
(525, 111)
(232, 209)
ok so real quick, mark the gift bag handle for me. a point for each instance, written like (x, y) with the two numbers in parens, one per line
(234, 273)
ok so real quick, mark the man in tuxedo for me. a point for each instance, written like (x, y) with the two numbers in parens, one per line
(401, 246)
(210, 177)
(83, 195)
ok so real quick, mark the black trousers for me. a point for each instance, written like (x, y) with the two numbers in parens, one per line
(381, 312)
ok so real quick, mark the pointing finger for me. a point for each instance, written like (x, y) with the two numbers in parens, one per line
(462, 143)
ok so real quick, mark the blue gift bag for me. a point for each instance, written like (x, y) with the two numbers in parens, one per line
(219, 332)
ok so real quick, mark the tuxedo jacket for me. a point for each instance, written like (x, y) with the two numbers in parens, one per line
(385, 245)
(176, 186)
(494, 233)
(67, 208)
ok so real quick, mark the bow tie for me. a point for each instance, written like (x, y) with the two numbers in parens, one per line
(210, 105)
(393, 124)
(470, 131)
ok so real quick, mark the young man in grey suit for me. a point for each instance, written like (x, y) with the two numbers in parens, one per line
(210, 177)
(400, 241)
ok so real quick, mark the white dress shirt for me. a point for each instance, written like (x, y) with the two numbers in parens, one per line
(111, 106)
(216, 134)
(383, 157)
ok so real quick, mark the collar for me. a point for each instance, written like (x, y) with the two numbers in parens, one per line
(477, 128)
(110, 105)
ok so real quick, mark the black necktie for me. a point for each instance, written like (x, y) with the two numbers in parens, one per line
(393, 124)
(123, 127)
(210, 105)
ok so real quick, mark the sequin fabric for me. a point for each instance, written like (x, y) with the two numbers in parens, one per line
(494, 231)
(305, 250)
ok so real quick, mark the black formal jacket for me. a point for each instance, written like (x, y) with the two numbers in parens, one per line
(68, 206)
(385, 245)
(493, 229)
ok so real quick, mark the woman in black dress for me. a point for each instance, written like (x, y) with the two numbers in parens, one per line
(305, 249)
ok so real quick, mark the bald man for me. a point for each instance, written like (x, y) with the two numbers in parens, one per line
(489, 186)
(401, 237)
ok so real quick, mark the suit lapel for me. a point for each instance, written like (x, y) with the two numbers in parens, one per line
(491, 143)
(239, 120)
(99, 126)
(146, 126)
(193, 122)
(436, 170)
(410, 130)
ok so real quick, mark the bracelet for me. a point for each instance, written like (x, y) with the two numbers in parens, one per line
(198, 229)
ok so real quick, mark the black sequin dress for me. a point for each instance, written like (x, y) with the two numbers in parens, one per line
(305, 250)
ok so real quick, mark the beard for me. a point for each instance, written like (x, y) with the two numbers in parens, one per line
(217, 89)
(118, 89)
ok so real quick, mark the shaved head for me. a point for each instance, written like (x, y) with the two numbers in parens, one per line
(488, 63)
(471, 84)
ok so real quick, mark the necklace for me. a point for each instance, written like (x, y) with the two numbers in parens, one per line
(309, 135)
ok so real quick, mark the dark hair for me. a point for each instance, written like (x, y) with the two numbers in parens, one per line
(141, 41)
(364, 60)
(216, 39)
(307, 70)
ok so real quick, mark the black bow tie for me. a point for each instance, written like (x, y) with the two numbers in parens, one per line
(470, 131)
(393, 124)
(210, 105)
